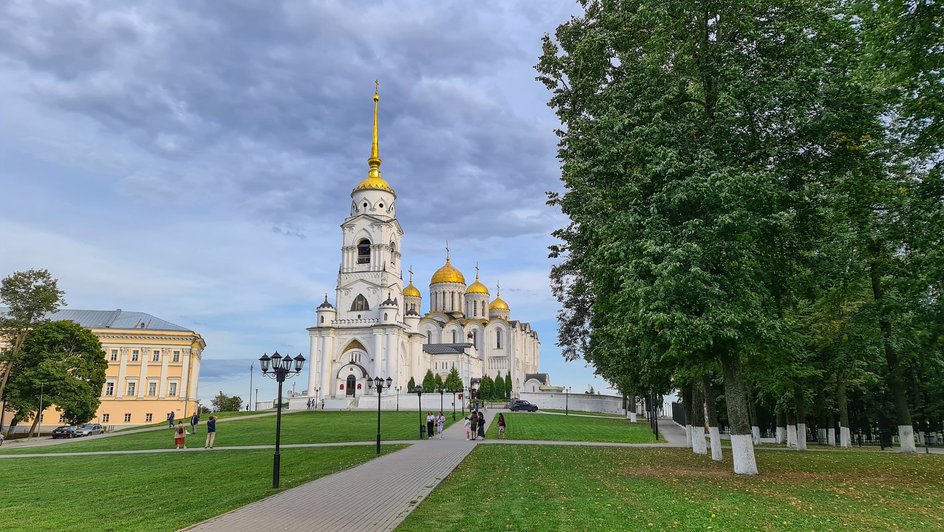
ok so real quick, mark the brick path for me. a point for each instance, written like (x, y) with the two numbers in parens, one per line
(376, 495)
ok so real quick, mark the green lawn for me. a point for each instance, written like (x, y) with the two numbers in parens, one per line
(163, 491)
(203, 418)
(530, 487)
(528, 426)
(300, 427)
(583, 413)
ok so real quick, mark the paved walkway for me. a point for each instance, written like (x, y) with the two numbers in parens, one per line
(376, 495)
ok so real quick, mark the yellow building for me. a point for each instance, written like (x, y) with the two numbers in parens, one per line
(153, 368)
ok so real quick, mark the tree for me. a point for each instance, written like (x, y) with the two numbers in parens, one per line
(453, 380)
(67, 365)
(509, 388)
(410, 386)
(226, 403)
(499, 392)
(29, 296)
(487, 388)
(429, 382)
(439, 381)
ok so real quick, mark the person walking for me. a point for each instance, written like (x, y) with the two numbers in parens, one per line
(482, 425)
(430, 419)
(211, 432)
(501, 426)
(170, 419)
(474, 424)
(440, 424)
(194, 419)
(468, 429)
(180, 436)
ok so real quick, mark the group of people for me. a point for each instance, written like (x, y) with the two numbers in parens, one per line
(433, 420)
(475, 426)
(180, 433)
(312, 404)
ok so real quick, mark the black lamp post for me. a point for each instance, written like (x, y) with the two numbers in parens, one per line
(419, 398)
(281, 369)
(398, 397)
(379, 384)
(567, 401)
(453, 391)
(441, 391)
(462, 399)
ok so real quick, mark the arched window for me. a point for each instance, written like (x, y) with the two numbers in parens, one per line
(322, 319)
(455, 336)
(475, 339)
(393, 253)
(360, 303)
(475, 308)
(385, 316)
(498, 338)
(452, 300)
(429, 337)
(363, 252)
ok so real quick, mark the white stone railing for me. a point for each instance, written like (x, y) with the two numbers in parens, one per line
(362, 321)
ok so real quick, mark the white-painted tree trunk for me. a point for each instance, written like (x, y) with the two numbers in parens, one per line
(781, 435)
(715, 436)
(688, 435)
(906, 436)
(755, 434)
(831, 436)
(791, 436)
(801, 437)
(821, 435)
(742, 449)
(698, 440)
(845, 437)
(633, 417)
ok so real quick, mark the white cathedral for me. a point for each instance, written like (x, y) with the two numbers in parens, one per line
(377, 326)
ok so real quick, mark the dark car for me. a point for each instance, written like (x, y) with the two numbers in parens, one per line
(88, 429)
(521, 404)
(65, 431)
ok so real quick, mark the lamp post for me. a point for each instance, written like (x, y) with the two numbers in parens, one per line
(39, 414)
(419, 398)
(567, 401)
(379, 384)
(453, 391)
(282, 368)
(398, 397)
(317, 394)
(251, 366)
(441, 391)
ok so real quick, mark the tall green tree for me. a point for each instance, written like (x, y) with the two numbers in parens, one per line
(487, 388)
(429, 382)
(410, 386)
(499, 392)
(438, 381)
(226, 403)
(67, 365)
(453, 380)
(509, 386)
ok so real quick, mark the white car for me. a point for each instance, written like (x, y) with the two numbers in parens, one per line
(88, 429)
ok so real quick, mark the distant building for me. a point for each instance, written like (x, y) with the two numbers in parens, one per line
(153, 367)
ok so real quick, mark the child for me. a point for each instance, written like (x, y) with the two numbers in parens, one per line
(440, 423)
(501, 426)
(468, 429)
(180, 435)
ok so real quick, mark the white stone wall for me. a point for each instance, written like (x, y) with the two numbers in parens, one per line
(577, 401)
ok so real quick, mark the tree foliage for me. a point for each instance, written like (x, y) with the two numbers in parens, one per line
(453, 380)
(429, 382)
(226, 403)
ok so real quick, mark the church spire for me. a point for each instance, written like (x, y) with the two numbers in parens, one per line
(374, 160)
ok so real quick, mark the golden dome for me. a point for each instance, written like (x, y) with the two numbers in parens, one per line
(477, 287)
(498, 304)
(447, 274)
(411, 291)
(374, 183)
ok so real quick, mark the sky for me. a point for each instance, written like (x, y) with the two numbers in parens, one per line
(194, 160)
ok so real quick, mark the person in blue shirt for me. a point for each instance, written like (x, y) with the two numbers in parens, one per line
(211, 432)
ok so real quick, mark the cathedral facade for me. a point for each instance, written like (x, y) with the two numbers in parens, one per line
(377, 327)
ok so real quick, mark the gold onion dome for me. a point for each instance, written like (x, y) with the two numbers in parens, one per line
(498, 304)
(373, 180)
(477, 287)
(447, 274)
(411, 291)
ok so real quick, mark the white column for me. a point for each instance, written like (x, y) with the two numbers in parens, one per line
(120, 383)
(314, 364)
(184, 375)
(162, 385)
(378, 354)
(142, 376)
(327, 369)
(389, 358)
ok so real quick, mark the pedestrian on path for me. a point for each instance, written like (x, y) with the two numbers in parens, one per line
(440, 424)
(429, 424)
(180, 436)
(474, 424)
(211, 432)
(468, 429)
(501, 426)
(194, 419)
(170, 419)
(482, 425)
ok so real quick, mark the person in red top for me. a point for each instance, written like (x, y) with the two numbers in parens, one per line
(180, 435)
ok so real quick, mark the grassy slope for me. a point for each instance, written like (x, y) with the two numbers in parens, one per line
(156, 491)
(584, 488)
(301, 427)
(527, 426)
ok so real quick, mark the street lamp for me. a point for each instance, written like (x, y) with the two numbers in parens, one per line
(379, 384)
(281, 369)
(317, 390)
(398, 397)
(567, 401)
(441, 390)
(453, 391)
(419, 398)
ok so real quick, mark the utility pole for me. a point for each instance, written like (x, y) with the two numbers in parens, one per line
(250, 382)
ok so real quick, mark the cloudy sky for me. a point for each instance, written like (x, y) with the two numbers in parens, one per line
(194, 160)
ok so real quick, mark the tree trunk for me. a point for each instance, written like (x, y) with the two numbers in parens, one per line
(33, 426)
(687, 407)
(800, 418)
(845, 435)
(896, 375)
(698, 418)
(714, 435)
(831, 430)
(742, 448)
(781, 436)
(752, 412)
(791, 430)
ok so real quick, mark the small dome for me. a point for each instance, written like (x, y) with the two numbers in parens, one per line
(498, 304)
(447, 274)
(326, 304)
(412, 312)
(411, 291)
(477, 288)
(389, 302)
(374, 183)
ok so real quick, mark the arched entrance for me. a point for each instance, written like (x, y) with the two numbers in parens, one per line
(351, 384)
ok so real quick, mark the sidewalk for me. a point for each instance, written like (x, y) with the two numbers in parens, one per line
(376, 495)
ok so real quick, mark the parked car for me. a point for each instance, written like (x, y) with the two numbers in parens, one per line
(88, 429)
(521, 404)
(65, 431)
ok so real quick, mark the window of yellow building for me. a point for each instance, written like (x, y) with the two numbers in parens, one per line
(127, 418)
(148, 417)
(156, 356)
(131, 387)
(109, 388)
(104, 418)
(114, 355)
(176, 356)
(172, 390)
(134, 355)
(152, 388)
